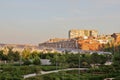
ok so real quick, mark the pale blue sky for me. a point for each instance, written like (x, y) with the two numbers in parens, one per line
(35, 21)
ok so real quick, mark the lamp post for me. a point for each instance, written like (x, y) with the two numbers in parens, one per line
(21, 57)
(77, 47)
(56, 60)
(79, 65)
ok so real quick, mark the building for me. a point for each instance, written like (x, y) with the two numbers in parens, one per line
(82, 33)
(89, 44)
(45, 62)
(68, 43)
(19, 48)
(56, 40)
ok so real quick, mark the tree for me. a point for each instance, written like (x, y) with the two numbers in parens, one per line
(103, 59)
(1, 55)
(55, 59)
(13, 56)
(33, 55)
(26, 53)
(16, 56)
(85, 60)
(72, 60)
(116, 61)
(95, 58)
(10, 54)
(27, 62)
(62, 61)
(36, 61)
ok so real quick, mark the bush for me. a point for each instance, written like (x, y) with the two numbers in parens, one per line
(27, 62)
(36, 61)
(48, 68)
(29, 69)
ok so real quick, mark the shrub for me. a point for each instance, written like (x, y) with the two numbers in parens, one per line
(27, 62)
(36, 61)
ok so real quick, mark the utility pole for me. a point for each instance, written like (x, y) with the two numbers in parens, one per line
(20, 58)
(79, 65)
(77, 47)
(56, 61)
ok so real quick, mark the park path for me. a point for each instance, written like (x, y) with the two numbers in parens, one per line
(54, 71)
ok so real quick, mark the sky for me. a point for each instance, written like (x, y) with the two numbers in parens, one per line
(36, 21)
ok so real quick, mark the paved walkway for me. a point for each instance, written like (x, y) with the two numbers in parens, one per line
(54, 71)
(109, 79)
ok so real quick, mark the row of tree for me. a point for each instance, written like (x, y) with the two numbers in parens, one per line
(71, 60)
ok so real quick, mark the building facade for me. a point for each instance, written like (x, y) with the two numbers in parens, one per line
(68, 43)
(82, 33)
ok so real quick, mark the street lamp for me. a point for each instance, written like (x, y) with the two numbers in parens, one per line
(56, 60)
(77, 47)
(79, 65)
(21, 57)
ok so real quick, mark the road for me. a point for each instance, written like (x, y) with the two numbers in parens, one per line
(54, 71)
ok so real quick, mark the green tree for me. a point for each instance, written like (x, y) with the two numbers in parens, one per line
(54, 60)
(36, 61)
(26, 53)
(116, 61)
(94, 59)
(3, 56)
(16, 56)
(10, 54)
(27, 62)
(103, 59)
(85, 60)
(72, 60)
(13, 56)
(33, 55)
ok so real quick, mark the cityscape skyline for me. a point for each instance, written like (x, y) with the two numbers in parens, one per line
(32, 22)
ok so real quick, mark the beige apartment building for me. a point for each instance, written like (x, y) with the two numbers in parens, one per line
(61, 43)
(74, 33)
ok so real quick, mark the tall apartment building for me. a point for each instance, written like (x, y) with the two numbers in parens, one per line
(82, 33)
